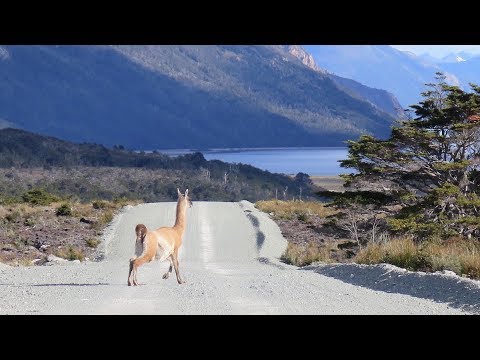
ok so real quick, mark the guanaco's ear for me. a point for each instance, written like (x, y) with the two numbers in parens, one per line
(179, 193)
(186, 192)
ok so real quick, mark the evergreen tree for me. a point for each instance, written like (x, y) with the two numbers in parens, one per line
(429, 166)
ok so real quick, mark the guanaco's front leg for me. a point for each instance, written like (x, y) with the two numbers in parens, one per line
(167, 274)
(175, 265)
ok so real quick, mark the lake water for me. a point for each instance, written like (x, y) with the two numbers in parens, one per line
(313, 161)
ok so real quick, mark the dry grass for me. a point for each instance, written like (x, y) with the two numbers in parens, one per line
(372, 254)
(402, 252)
(3, 211)
(302, 255)
(25, 262)
(92, 242)
(106, 217)
(100, 204)
(293, 209)
(19, 212)
(457, 255)
(83, 210)
(70, 253)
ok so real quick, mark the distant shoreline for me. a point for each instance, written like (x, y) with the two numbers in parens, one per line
(330, 183)
(314, 161)
(213, 150)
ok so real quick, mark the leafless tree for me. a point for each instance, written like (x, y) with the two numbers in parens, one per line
(205, 173)
(351, 223)
(374, 228)
(285, 193)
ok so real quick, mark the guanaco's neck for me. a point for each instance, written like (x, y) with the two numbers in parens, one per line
(180, 220)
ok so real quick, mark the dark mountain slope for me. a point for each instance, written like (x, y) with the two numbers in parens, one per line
(149, 97)
(382, 99)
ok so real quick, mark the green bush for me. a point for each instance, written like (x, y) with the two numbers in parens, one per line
(39, 197)
(8, 200)
(302, 217)
(63, 210)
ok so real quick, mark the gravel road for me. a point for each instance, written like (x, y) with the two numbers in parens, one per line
(230, 262)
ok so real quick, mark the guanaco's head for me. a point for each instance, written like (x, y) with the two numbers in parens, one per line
(140, 231)
(184, 199)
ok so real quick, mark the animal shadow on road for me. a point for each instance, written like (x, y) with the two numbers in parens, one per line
(260, 236)
(266, 261)
(456, 292)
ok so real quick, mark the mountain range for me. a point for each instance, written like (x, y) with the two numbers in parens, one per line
(467, 71)
(156, 97)
(402, 73)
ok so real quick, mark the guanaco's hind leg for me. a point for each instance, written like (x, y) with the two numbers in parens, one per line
(175, 265)
(135, 272)
(131, 274)
(167, 274)
(135, 263)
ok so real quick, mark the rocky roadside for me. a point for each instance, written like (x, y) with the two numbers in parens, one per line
(315, 230)
(38, 235)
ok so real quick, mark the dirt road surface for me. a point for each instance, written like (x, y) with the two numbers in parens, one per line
(230, 261)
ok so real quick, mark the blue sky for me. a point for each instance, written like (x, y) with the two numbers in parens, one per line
(439, 50)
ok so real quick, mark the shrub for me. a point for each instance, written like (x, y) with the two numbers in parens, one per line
(100, 204)
(29, 221)
(71, 253)
(63, 210)
(93, 243)
(39, 197)
(106, 217)
(302, 255)
(8, 200)
(302, 217)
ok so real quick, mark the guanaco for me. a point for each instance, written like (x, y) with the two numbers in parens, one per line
(160, 244)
